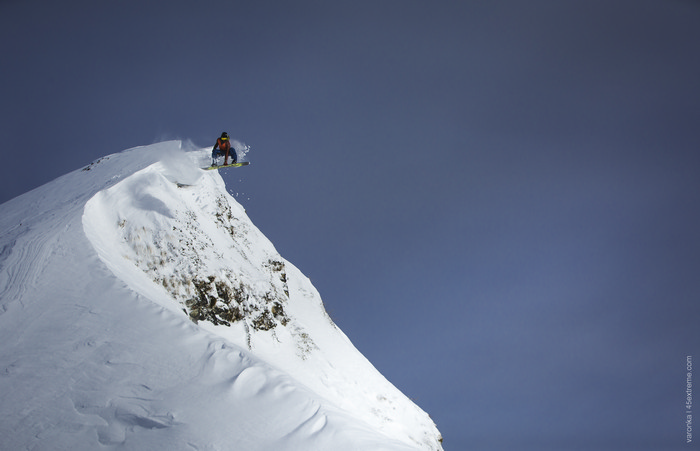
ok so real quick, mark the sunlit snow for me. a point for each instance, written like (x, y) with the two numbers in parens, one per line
(141, 309)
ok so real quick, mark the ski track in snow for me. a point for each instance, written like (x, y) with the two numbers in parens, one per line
(94, 361)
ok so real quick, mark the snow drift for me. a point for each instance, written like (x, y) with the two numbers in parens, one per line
(140, 308)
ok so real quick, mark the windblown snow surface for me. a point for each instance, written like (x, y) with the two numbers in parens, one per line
(140, 309)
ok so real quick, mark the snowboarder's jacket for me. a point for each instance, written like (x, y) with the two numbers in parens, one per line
(223, 144)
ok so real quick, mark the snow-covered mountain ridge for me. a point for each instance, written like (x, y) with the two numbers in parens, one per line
(142, 309)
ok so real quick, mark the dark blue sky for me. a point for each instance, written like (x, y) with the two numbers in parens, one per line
(498, 201)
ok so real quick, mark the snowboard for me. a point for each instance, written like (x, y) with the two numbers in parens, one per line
(234, 165)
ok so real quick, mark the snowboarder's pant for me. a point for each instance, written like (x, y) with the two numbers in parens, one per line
(220, 153)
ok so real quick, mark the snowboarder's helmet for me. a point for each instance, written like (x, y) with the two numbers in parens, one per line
(224, 135)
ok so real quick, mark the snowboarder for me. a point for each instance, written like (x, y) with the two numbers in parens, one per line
(223, 147)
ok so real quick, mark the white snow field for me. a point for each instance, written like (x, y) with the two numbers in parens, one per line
(140, 309)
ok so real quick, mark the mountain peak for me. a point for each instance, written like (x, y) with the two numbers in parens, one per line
(141, 307)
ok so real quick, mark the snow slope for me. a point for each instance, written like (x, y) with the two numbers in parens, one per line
(141, 309)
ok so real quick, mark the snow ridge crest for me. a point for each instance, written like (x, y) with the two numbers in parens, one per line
(173, 234)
